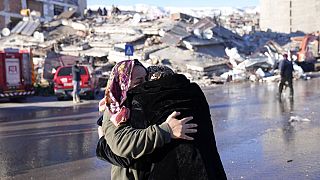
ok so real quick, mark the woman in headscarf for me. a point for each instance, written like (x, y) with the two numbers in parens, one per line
(122, 138)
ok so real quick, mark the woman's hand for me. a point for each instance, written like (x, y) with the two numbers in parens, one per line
(179, 128)
(102, 105)
(100, 132)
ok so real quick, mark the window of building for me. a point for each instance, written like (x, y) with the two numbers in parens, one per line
(58, 9)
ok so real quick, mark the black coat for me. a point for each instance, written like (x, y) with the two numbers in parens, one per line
(76, 76)
(286, 69)
(151, 103)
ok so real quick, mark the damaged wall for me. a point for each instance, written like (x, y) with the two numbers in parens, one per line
(15, 6)
(216, 50)
(2, 21)
(290, 15)
(10, 9)
(35, 5)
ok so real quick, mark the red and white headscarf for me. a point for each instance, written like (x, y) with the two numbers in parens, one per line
(116, 92)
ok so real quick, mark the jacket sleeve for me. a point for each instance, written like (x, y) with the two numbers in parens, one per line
(104, 152)
(129, 142)
(281, 67)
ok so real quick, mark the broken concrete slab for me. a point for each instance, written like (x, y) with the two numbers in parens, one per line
(93, 52)
(67, 14)
(150, 31)
(75, 25)
(124, 38)
(100, 44)
(151, 49)
(75, 47)
(214, 47)
(116, 29)
(182, 16)
(176, 34)
(173, 54)
(19, 27)
(209, 68)
(204, 24)
(25, 27)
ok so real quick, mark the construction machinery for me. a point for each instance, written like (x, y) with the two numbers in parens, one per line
(309, 47)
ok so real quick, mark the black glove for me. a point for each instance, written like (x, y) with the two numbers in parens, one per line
(99, 121)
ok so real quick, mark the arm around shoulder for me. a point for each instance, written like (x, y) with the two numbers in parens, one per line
(127, 141)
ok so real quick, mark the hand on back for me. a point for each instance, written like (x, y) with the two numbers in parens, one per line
(179, 128)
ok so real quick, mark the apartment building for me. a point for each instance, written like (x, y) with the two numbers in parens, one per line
(290, 15)
(10, 9)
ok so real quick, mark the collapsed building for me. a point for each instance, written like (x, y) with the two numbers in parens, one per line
(200, 48)
(11, 12)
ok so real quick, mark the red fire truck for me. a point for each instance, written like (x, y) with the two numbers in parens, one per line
(16, 73)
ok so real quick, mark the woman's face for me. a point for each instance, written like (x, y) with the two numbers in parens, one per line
(138, 76)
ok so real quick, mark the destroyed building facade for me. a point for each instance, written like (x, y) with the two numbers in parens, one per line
(10, 10)
(288, 16)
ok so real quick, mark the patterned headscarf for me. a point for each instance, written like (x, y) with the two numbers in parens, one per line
(157, 72)
(118, 86)
(116, 91)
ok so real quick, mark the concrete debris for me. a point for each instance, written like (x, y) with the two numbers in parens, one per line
(176, 34)
(67, 14)
(182, 17)
(298, 119)
(25, 27)
(193, 43)
(234, 56)
(207, 50)
(75, 25)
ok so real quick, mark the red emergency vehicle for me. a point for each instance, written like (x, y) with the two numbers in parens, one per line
(16, 73)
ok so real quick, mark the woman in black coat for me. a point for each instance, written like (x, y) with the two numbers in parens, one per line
(151, 103)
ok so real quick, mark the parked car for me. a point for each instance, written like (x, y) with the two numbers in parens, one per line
(63, 82)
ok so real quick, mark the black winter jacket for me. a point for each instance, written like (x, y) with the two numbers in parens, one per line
(286, 69)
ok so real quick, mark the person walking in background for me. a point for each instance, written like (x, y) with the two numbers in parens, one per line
(76, 78)
(286, 70)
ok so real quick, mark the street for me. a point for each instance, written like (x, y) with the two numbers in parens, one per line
(258, 136)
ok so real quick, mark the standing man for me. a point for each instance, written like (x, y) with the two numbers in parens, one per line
(76, 78)
(286, 69)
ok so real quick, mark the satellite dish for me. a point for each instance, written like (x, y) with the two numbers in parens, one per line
(36, 34)
(207, 34)
(136, 18)
(35, 13)
(39, 36)
(5, 32)
(197, 33)
(162, 32)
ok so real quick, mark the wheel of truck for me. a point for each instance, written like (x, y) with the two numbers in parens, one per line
(59, 98)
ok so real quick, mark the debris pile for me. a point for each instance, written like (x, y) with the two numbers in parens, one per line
(201, 48)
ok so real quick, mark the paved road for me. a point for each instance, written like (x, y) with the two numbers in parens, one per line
(45, 139)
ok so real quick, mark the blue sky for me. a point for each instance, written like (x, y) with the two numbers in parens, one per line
(179, 3)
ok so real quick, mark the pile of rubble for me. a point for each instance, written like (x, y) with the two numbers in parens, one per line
(200, 48)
